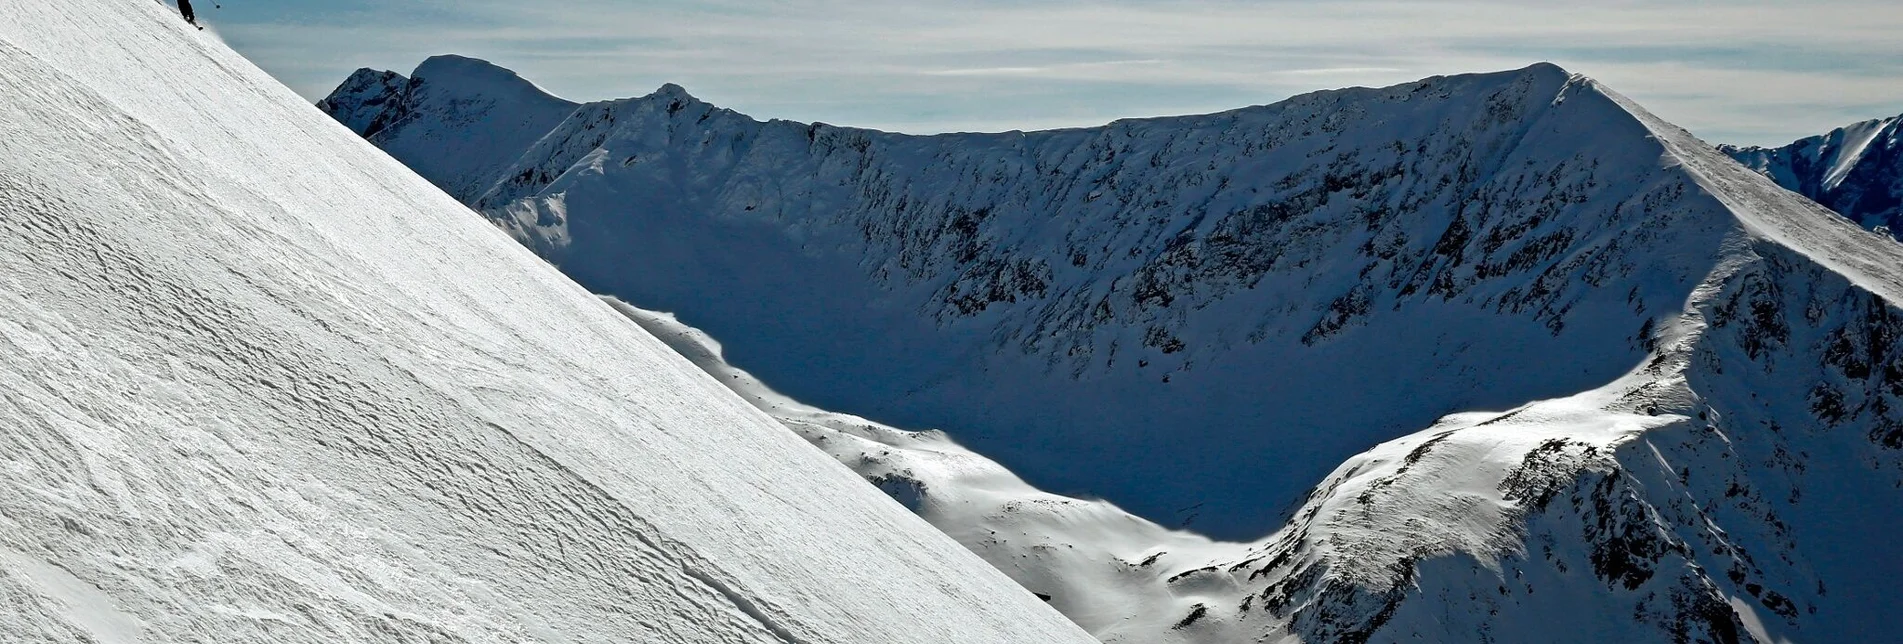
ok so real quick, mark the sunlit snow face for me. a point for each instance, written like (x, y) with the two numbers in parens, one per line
(1742, 72)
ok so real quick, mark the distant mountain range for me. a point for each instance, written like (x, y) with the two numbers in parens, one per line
(1498, 356)
(1856, 170)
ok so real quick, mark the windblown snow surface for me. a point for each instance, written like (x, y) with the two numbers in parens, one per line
(1617, 386)
(262, 383)
(1856, 170)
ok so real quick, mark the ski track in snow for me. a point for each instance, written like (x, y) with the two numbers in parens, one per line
(265, 384)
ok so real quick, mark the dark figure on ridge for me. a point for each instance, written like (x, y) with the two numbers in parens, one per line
(185, 9)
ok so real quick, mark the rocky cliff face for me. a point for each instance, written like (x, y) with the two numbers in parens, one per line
(1855, 170)
(1652, 382)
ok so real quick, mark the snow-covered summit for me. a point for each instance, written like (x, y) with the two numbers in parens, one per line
(364, 102)
(1494, 356)
(259, 382)
(465, 76)
(460, 117)
(1856, 170)
(1182, 296)
(672, 92)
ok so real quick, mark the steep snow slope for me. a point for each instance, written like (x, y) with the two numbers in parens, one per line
(1698, 370)
(1080, 554)
(1220, 306)
(262, 383)
(1855, 170)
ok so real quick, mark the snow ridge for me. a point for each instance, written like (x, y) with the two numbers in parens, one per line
(476, 113)
(1619, 388)
(1173, 294)
(1856, 170)
(264, 384)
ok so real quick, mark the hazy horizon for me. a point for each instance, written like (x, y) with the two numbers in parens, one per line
(1747, 73)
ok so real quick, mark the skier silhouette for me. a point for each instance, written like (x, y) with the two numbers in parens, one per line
(185, 9)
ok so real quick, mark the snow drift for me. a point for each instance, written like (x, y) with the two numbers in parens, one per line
(1617, 386)
(262, 383)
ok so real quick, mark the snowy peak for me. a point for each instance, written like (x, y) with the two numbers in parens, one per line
(1856, 170)
(1118, 283)
(1617, 386)
(1829, 157)
(672, 92)
(1778, 216)
(492, 112)
(465, 78)
(368, 101)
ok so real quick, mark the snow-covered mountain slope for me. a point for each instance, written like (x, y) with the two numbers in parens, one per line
(1697, 369)
(1195, 317)
(262, 383)
(1082, 555)
(460, 119)
(1855, 170)
(1637, 511)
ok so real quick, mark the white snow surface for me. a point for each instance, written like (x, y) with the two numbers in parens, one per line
(1712, 362)
(1855, 141)
(262, 383)
(1081, 553)
(1856, 170)
(1183, 297)
(1617, 386)
(476, 109)
(1469, 493)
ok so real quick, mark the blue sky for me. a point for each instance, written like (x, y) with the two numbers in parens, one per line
(1750, 71)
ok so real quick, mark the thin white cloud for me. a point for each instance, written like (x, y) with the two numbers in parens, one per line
(1073, 70)
(987, 71)
(1754, 71)
(1341, 71)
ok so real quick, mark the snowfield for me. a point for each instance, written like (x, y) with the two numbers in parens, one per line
(262, 383)
(1495, 357)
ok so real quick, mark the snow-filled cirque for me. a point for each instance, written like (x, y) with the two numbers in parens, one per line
(1493, 357)
(260, 382)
